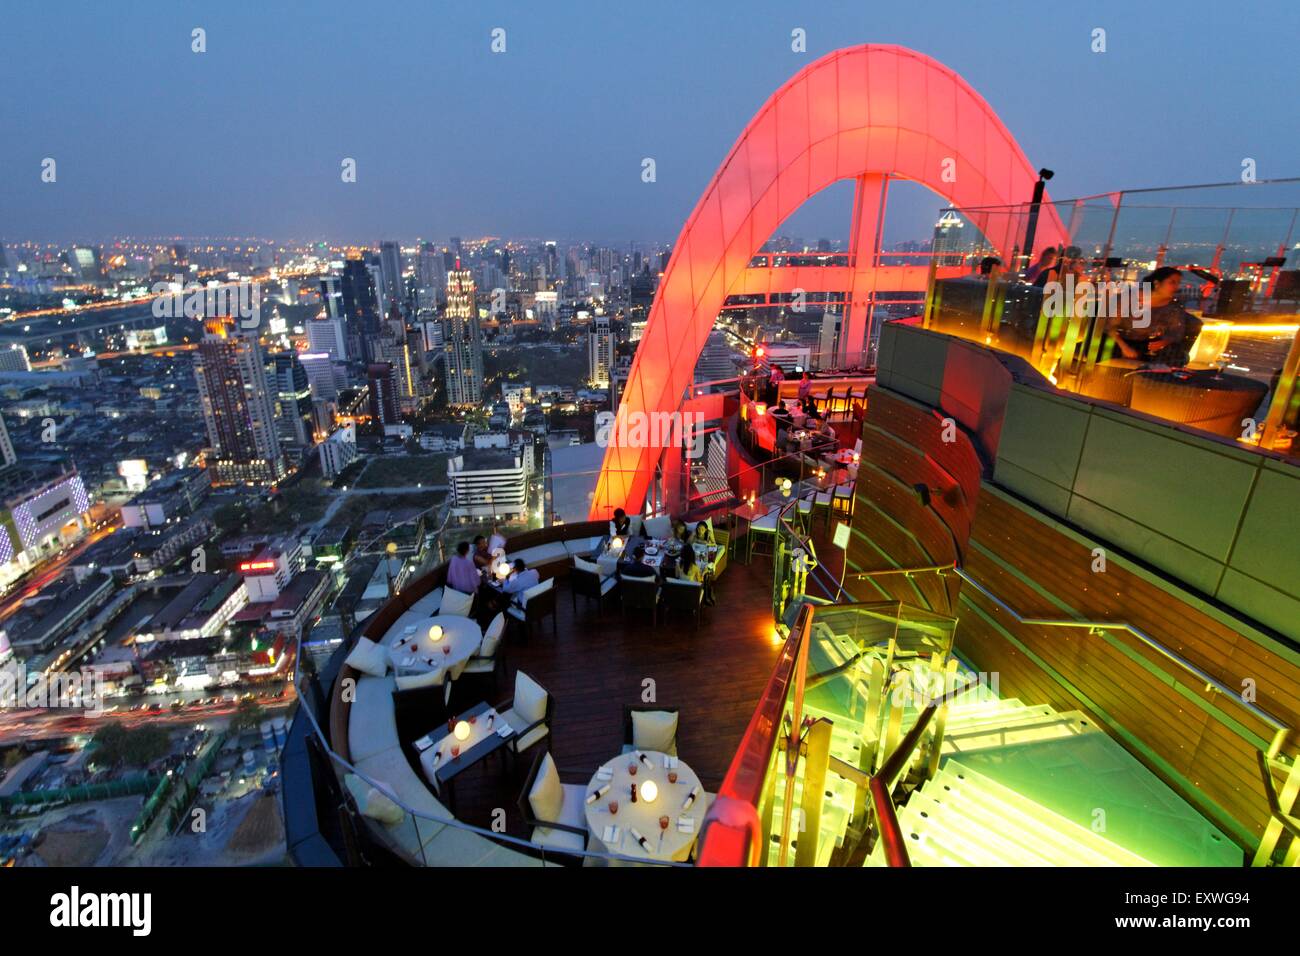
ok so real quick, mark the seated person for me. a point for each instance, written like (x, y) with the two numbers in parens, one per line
(482, 553)
(688, 568)
(1171, 333)
(1046, 260)
(621, 525)
(636, 568)
(521, 579)
(682, 532)
(462, 573)
(990, 268)
(702, 533)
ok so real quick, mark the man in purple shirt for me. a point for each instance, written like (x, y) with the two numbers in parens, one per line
(462, 573)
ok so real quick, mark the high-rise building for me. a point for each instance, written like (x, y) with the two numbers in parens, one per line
(238, 406)
(383, 394)
(430, 276)
(328, 335)
(947, 245)
(390, 271)
(393, 347)
(360, 306)
(464, 340)
(7, 454)
(15, 359)
(294, 400)
(600, 351)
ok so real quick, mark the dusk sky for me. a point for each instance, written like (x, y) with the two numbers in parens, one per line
(547, 139)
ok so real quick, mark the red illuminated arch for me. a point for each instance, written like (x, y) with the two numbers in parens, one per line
(865, 113)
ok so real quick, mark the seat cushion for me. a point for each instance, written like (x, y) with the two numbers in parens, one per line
(372, 726)
(369, 658)
(583, 546)
(654, 730)
(456, 602)
(581, 564)
(608, 584)
(413, 681)
(546, 796)
(523, 742)
(428, 605)
(540, 554)
(660, 526)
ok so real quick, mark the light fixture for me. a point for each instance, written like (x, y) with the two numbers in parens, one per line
(616, 543)
(503, 570)
(435, 632)
(649, 791)
(462, 730)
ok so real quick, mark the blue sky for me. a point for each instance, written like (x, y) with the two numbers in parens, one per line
(547, 138)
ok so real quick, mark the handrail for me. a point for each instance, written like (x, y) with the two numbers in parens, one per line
(1211, 683)
(1288, 823)
(862, 575)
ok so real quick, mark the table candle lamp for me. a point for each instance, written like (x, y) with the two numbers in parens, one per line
(649, 791)
(616, 543)
(462, 730)
(435, 632)
(503, 571)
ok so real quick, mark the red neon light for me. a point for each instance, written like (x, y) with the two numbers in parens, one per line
(867, 113)
(257, 566)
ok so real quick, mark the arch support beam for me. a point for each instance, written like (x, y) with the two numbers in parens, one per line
(866, 113)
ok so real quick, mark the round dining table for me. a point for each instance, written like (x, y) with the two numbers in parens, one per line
(414, 650)
(614, 820)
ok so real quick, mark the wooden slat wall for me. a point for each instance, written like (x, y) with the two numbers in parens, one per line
(903, 446)
(1200, 748)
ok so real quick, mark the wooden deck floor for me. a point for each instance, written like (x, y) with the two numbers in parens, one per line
(714, 675)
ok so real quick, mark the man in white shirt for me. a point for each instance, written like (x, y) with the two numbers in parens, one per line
(521, 580)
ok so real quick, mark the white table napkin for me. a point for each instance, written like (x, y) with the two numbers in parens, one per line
(424, 743)
(611, 834)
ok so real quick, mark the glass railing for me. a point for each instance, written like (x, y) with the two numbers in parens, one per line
(852, 714)
(1216, 349)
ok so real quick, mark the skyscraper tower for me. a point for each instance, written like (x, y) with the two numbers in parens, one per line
(238, 406)
(360, 306)
(464, 344)
(293, 400)
(392, 347)
(600, 351)
(390, 269)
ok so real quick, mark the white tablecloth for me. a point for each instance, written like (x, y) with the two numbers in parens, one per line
(412, 651)
(672, 844)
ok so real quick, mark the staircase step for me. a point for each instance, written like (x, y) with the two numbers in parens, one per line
(964, 740)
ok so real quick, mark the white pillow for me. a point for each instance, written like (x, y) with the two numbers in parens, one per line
(530, 699)
(413, 681)
(654, 730)
(369, 658)
(582, 564)
(492, 636)
(456, 602)
(373, 802)
(547, 794)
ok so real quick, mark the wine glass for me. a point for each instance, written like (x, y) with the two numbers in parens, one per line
(672, 776)
(613, 807)
(663, 822)
(631, 769)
